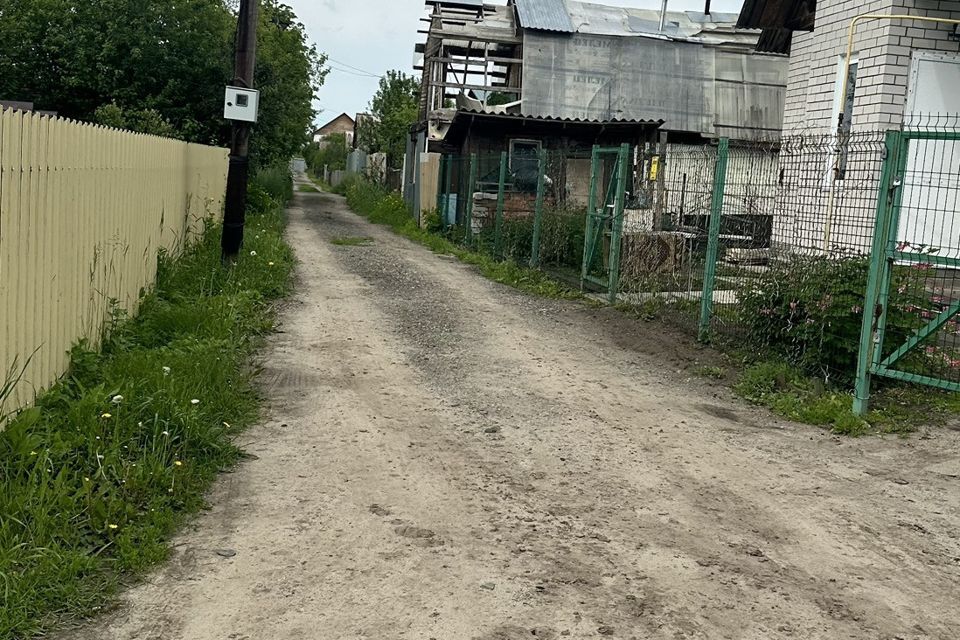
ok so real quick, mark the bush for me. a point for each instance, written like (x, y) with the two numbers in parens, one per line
(275, 181)
(810, 309)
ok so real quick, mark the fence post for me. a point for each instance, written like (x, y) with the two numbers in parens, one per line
(498, 222)
(538, 210)
(616, 227)
(471, 185)
(713, 239)
(441, 199)
(591, 213)
(878, 282)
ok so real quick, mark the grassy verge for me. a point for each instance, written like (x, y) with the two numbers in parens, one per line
(899, 409)
(382, 207)
(97, 476)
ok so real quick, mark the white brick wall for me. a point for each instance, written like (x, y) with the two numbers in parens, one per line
(883, 48)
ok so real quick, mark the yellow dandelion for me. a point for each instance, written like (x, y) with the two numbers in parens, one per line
(112, 526)
(177, 463)
(106, 416)
(269, 264)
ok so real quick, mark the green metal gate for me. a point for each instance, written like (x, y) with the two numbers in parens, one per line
(913, 290)
(604, 226)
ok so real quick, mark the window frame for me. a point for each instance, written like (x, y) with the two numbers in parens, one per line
(527, 141)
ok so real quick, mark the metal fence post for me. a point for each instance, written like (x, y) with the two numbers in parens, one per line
(538, 210)
(713, 239)
(591, 212)
(498, 221)
(471, 185)
(878, 282)
(616, 230)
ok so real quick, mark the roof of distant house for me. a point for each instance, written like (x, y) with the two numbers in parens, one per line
(330, 124)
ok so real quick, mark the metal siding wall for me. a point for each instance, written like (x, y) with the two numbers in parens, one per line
(608, 77)
(83, 212)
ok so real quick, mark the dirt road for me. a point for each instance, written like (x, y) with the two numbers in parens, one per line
(450, 459)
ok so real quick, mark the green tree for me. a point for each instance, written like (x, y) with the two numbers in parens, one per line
(143, 120)
(74, 56)
(159, 66)
(289, 73)
(394, 108)
(331, 152)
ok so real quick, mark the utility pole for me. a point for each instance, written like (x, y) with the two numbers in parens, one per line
(245, 58)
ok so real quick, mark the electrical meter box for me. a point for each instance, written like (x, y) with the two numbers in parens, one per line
(241, 104)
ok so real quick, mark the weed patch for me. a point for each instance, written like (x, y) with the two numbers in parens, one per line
(899, 409)
(351, 241)
(712, 372)
(98, 474)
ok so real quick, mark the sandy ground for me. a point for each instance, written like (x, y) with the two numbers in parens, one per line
(450, 459)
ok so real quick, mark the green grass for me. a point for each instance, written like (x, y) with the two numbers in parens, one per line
(352, 241)
(307, 188)
(899, 409)
(97, 476)
(713, 372)
(382, 207)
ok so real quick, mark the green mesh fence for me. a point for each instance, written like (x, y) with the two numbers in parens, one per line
(764, 245)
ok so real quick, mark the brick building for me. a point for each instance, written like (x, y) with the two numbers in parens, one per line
(900, 69)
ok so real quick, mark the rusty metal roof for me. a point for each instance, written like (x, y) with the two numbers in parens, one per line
(794, 15)
(544, 15)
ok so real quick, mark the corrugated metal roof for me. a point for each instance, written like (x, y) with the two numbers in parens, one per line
(517, 116)
(544, 15)
(598, 19)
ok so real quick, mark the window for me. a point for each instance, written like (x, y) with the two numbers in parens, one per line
(525, 163)
(524, 155)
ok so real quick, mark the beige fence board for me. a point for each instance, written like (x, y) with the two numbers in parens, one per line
(83, 212)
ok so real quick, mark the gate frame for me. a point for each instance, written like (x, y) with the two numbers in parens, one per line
(596, 219)
(884, 254)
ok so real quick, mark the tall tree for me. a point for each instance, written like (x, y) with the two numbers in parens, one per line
(289, 73)
(159, 66)
(394, 108)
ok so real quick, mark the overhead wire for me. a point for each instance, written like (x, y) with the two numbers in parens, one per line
(350, 66)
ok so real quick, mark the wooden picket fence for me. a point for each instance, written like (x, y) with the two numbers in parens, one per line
(84, 212)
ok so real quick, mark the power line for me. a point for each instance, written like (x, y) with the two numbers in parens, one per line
(350, 66)
(353, 73)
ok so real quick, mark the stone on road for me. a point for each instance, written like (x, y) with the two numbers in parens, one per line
(448, 458)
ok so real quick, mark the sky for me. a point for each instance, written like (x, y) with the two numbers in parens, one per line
(365, 38)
